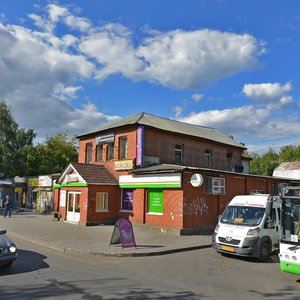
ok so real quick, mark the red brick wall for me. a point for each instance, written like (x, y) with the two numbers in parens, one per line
(200, 209)
(130, 132)
(162, 144)
(139, 202)
(172, 207)
(114, 203)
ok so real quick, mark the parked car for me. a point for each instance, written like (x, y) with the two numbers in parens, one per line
(8, 250)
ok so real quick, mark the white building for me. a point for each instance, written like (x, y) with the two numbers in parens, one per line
(289, 170)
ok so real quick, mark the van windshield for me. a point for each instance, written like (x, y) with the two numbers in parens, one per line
(243, 215)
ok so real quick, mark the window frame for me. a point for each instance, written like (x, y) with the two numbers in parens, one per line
(88, 153)
(129, 190)
(208, 158)
(105, 201)
(99, 152)
(123, 147)
(110, 151)
(179, 148)
(229, 156)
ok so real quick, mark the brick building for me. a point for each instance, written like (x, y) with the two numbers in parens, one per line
(156, 171)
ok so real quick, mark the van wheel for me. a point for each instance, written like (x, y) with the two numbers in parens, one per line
(264, 252)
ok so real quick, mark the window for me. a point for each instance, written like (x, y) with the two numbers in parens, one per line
(123, 147)
(207, 158)
(88, 152)
(215, 185)
(179, 154)
(99, 149)
(229, 160)
(101, 201)
(127, 200)
(110, 151)
(155, 203)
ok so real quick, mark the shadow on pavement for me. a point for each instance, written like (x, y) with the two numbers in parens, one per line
(27, 261)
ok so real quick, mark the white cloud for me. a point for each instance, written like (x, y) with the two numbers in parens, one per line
(247, 123)
(178, 59)
(194, 59)
(178, 110)
(246, 119)
(197, 97)
(55, 14)
(111, 47)
(66, 92)
(88, 119)
(272, 94)
(36, 75)
(41, 72)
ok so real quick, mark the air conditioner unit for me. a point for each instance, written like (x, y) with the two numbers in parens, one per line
(215, 185)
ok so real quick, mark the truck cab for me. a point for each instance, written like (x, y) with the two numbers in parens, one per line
(249, 226)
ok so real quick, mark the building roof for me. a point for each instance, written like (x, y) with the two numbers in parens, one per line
(95, 174)
(288, 169)
(169, 168)
(172, 126)
(289, 166)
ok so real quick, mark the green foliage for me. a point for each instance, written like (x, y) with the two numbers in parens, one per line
(55, 153)
(19, 156)
(265, 164)
(15, 144)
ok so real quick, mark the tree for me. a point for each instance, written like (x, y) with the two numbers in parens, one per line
(55, 153)
(16, 144)
(265, 164)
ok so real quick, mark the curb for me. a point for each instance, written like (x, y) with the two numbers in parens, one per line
(156, 253)
(109, 254)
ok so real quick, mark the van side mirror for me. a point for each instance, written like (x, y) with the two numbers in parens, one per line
(270, 224)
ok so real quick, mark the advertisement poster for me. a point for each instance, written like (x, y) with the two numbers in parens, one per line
(123, 234)
(127, 199)
(156, 201)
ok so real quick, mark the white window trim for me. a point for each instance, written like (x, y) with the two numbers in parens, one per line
(154, 214)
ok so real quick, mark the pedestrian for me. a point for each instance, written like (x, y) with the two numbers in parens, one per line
(7, 207)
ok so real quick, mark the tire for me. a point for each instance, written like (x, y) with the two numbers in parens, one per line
(264, 252)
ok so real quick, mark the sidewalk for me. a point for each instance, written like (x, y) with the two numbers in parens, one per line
(95, 240)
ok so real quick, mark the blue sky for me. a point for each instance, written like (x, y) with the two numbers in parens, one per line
(77, 65)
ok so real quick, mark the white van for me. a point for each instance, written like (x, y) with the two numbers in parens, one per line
(249, 226)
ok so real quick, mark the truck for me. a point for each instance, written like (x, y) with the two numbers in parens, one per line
(249, 227)
(289, 249)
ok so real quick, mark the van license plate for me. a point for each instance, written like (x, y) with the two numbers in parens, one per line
(227, 248)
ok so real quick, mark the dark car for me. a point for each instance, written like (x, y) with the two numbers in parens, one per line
(8, 250)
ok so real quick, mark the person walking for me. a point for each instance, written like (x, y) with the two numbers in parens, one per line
(7, 207)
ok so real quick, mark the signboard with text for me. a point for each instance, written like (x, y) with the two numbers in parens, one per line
(156, 201)
(139, 145)
(123, 234)
(105, 138)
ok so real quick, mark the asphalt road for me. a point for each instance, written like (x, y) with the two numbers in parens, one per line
(41, 273)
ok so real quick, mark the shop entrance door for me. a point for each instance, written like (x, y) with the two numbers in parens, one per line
(73, 214)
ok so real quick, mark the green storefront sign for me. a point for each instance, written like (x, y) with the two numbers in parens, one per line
(156, 201)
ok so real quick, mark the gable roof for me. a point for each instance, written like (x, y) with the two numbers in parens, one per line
(172, 126)
(295, 165)
(92, 174)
